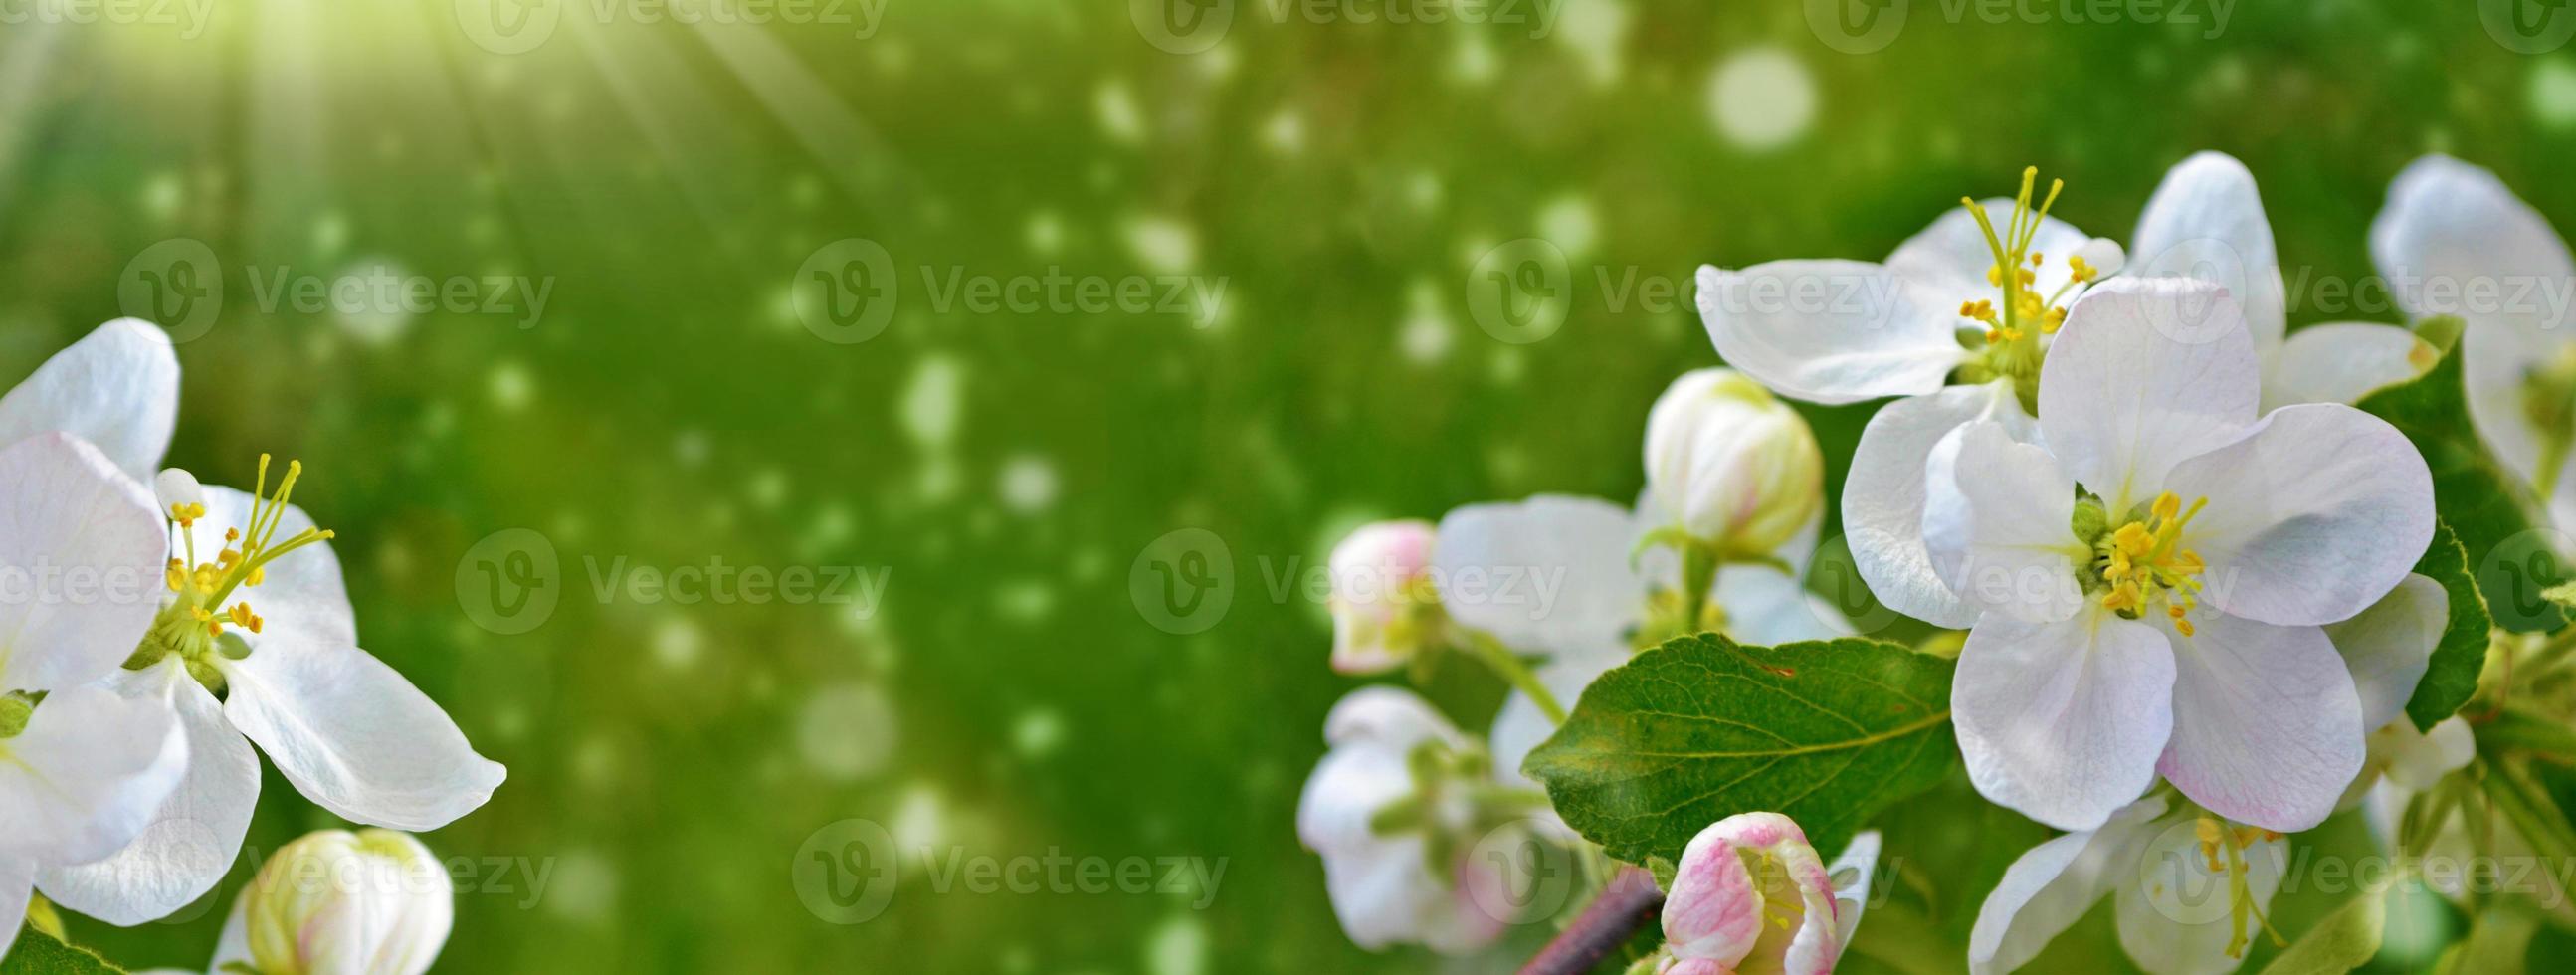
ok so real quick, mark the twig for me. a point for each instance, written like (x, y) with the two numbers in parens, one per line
(1628, 904)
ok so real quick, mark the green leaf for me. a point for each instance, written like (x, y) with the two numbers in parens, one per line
(1826, 732)
(2452, 674)
(2478, 497)
(38, 953)
(2343, 941)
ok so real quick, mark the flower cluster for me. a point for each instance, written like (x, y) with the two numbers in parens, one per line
(137, 690)
(2185, 580)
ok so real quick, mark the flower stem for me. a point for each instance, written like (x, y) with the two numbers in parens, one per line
(1626, 905)
(1508, 665)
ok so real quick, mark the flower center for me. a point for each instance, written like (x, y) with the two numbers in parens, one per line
(2010, 338)
(192, 624)
(2223, 847)
(2144, 560)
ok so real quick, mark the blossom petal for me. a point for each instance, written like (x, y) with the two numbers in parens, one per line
(86, 775)
(2341, 362)
(2063, 721)
(1946, 263)
(196, 834)
(2266, 723)
(1853, 871)
(2145, 373)
(117, 388)
(1998, 525)
(2388, 646)
(2453, 240)
(355, 737)
(80, 563)
(2313, 515)
(2176, 915)
(17, 891)
(1829, 331)
(2206, 221)
(1550, 573)
(1884, 498)
(2049, 888)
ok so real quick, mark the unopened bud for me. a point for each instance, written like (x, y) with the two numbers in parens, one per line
(1731, 466)
(374, 902)
(1384, 605)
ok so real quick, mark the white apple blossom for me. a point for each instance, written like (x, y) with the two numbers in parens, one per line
(83, 771)
(1608, 595)
(1738, 472)
(1750, 895)
(1385, 606)
(1940, 325)
(350, 733)
(2453, 240)
(2190, 890)
(1396, 809)
(2170, 620)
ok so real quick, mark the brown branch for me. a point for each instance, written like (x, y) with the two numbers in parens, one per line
(1626, 905)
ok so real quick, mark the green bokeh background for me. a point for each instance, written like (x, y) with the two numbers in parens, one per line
(1007, 695)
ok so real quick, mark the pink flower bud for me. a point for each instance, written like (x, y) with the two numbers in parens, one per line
(1384, 605)
(1750, 894)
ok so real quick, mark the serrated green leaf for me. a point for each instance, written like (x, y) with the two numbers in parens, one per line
(1826, 732)
(38, 953)
(2451, 677)
(2343, 941)
(2485, 503)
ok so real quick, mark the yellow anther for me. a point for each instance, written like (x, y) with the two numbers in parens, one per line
(241, 614)
(2056, 319)
(199, 614)
(2077, 269)
(2036, 258)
